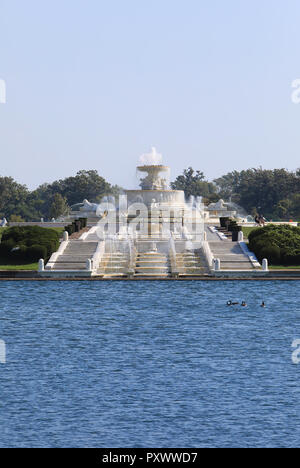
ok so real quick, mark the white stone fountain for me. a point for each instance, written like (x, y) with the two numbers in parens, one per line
(154, 185)
(153, 232)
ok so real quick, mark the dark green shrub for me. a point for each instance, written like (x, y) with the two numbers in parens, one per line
(6, 247)
(17, 242)
(69, 229)
(255, 233)
(292, 260)
(224, 221)
(235, 236)
(15, 234)
(83, 222)
(18, 254)
(232, 225)
(49, 245)
(272, 253)
(257, 244)
(77, 226)
(35, 253)
(276, 241)
(290, 257)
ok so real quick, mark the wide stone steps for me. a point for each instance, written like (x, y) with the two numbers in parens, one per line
(92, 238)
(152, 264)
(75, 256)
(69, 266)
(72, 258)
(189, 264)
(231, 255)
(114, 264)
(80, 246)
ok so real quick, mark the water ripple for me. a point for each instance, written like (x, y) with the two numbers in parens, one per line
(149, 364)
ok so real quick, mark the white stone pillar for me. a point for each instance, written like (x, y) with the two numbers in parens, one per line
(41, 265)
(66, 236)
(241, 236)
(217, 264)
(205, 236)
(89, 264)
(265, 265)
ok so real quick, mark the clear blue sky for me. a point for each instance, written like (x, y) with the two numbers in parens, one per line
(93, 84)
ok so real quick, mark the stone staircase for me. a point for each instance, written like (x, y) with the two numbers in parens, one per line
(92, 236)
(231, 256)
(74, 256)
(152, 264)
(190, 264)
(113, 265)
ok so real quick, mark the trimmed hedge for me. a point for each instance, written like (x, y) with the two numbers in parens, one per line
(233, 226)
(279, 244)
(224, 221)
(272, 253)
(76, 226)
(28, 243)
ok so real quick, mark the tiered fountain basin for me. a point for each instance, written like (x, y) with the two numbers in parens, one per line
(165, 198)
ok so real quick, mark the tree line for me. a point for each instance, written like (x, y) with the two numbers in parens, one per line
(18, 203)
(273, 193)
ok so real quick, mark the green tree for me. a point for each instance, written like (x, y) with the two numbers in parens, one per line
(289, 208)
(194, 183)
(16, 199)
(13, 197)
(16, 219)
(260, 190)
(85, 185)
(227, 185)
(59, 206)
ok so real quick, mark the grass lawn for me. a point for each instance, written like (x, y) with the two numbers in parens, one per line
(59, 230)
(247, 230)
(16, 267)
(282, 267)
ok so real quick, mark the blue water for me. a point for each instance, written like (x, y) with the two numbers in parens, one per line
(149, 364)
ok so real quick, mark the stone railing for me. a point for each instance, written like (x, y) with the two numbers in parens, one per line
(208, 254)
(60, 251)
(250, 255)
(97, 257)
